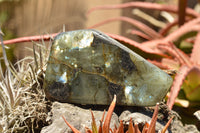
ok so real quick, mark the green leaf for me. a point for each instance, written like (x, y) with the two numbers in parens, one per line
(191, 85)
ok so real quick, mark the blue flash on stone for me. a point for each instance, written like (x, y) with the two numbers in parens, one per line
(88, 67)
(62, 78)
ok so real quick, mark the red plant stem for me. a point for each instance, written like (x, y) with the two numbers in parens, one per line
(146, 5)
(49, 36)
(136, 128)
(145, 128)
(173, 53)
(135, 44)
(193, 25)
(87, 130)
(182, 55)
(94, 126)
(153, 120)
(106, 125)
(72, 128)
(141, 34)
(100, 130)
(167, 125)
(182, 4)
(195, 56)
(159, 64)
(178, 81)
(121, 127)
(30, 38)
(131, 129)
(164, 30)
(134, 22)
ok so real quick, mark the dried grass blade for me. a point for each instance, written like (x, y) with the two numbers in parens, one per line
(41, 57)
(2, 99)
(4, 50)
(1, 71)
(10, 88)
(14, 72)
(33, 72)
(35, 57)
(31, 77)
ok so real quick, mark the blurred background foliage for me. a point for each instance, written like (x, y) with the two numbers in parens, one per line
(34, 17)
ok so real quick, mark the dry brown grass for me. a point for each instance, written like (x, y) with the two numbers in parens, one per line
(22, 101)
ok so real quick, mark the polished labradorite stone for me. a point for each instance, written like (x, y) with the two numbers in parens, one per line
(88, 67)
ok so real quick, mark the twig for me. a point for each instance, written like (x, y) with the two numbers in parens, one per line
(30, 38)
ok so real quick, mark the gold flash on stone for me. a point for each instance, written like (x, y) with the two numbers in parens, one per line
(88, 67)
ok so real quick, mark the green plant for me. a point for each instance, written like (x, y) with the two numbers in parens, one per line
(105, 126)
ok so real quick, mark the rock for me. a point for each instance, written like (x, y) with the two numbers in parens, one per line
(76, 116)
(88, 67)
(177, 127)
(191, 129)
(197, 114)
(140, 119)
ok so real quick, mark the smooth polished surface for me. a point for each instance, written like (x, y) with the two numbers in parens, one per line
(88, 67)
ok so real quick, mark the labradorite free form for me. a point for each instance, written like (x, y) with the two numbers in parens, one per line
(88, 67)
